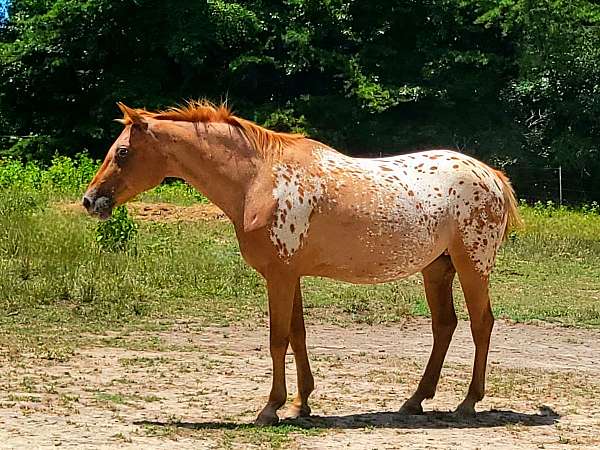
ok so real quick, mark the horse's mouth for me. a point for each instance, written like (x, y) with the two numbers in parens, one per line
(103, 215)
(100, 207)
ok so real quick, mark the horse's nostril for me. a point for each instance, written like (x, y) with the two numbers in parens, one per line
(86, 202)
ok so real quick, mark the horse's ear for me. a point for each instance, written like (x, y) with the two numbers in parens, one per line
(133, 116)
(259, 205)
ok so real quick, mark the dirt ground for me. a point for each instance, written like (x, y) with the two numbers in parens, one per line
(161, 212)
(194, 387)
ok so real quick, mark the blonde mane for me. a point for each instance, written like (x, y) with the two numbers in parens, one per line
(267, 143)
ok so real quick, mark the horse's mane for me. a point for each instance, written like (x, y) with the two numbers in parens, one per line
(266, 142)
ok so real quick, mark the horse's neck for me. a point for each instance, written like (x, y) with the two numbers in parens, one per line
(221, 165)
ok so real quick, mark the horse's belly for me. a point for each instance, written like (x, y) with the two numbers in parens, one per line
(361, 255)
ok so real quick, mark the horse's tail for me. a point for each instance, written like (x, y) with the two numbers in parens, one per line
(514, 220)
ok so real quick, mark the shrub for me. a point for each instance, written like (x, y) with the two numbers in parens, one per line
(116, 233)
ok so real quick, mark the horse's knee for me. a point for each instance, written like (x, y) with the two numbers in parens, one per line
(443, 328)
(483, 324)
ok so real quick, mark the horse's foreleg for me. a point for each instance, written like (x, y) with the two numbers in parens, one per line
(475, 288)
(437, 278)
(306, 383)
(281, 291)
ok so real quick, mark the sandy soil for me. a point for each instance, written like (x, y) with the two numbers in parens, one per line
(193, 387)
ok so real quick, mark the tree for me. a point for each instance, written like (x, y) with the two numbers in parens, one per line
(513, 82)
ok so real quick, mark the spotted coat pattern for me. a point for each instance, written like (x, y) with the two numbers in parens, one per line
(297, 194)
(406, 208)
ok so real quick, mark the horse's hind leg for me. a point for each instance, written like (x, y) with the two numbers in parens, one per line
(475, 287)
(438, 277)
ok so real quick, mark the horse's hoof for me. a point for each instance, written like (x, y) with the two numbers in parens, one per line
(411, 409)
(464, 411)
(266, 419)
(295, 412)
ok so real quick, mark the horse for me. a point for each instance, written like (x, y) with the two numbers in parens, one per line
(300, 208)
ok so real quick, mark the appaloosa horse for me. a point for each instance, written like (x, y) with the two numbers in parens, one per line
(301, 208)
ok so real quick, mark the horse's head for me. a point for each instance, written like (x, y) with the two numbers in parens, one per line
(134, 164)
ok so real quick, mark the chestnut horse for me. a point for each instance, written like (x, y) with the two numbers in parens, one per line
(301, 208)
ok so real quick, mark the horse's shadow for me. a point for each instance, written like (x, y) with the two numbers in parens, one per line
(429, 420)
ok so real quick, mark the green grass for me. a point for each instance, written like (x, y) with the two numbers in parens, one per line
(57, 281)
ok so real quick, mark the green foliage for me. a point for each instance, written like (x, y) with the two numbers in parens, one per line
(513, 82)
(66, 179)
(116, 233)
(62, 177)
(174, 191)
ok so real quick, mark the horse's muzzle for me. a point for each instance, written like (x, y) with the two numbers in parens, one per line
(100, 207)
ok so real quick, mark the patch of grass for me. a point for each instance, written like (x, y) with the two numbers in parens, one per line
(111, 397)
(270, 437)
(68, 399)
(24, 398)
(58, 284)
(142, 361)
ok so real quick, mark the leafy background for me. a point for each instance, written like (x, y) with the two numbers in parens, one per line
(514, 82)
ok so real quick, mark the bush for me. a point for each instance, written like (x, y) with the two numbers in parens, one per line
(65, 176)
(116, 233)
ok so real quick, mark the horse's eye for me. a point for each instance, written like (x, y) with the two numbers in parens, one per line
(122, 152)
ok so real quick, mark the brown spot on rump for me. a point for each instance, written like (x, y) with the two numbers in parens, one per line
(287, 177)
(292, 227)
(411, 193)
(455, 166)
(461, 182)
(433, 168)
(434, 157)
(419, 166)
(288, 204)
(386, 169)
